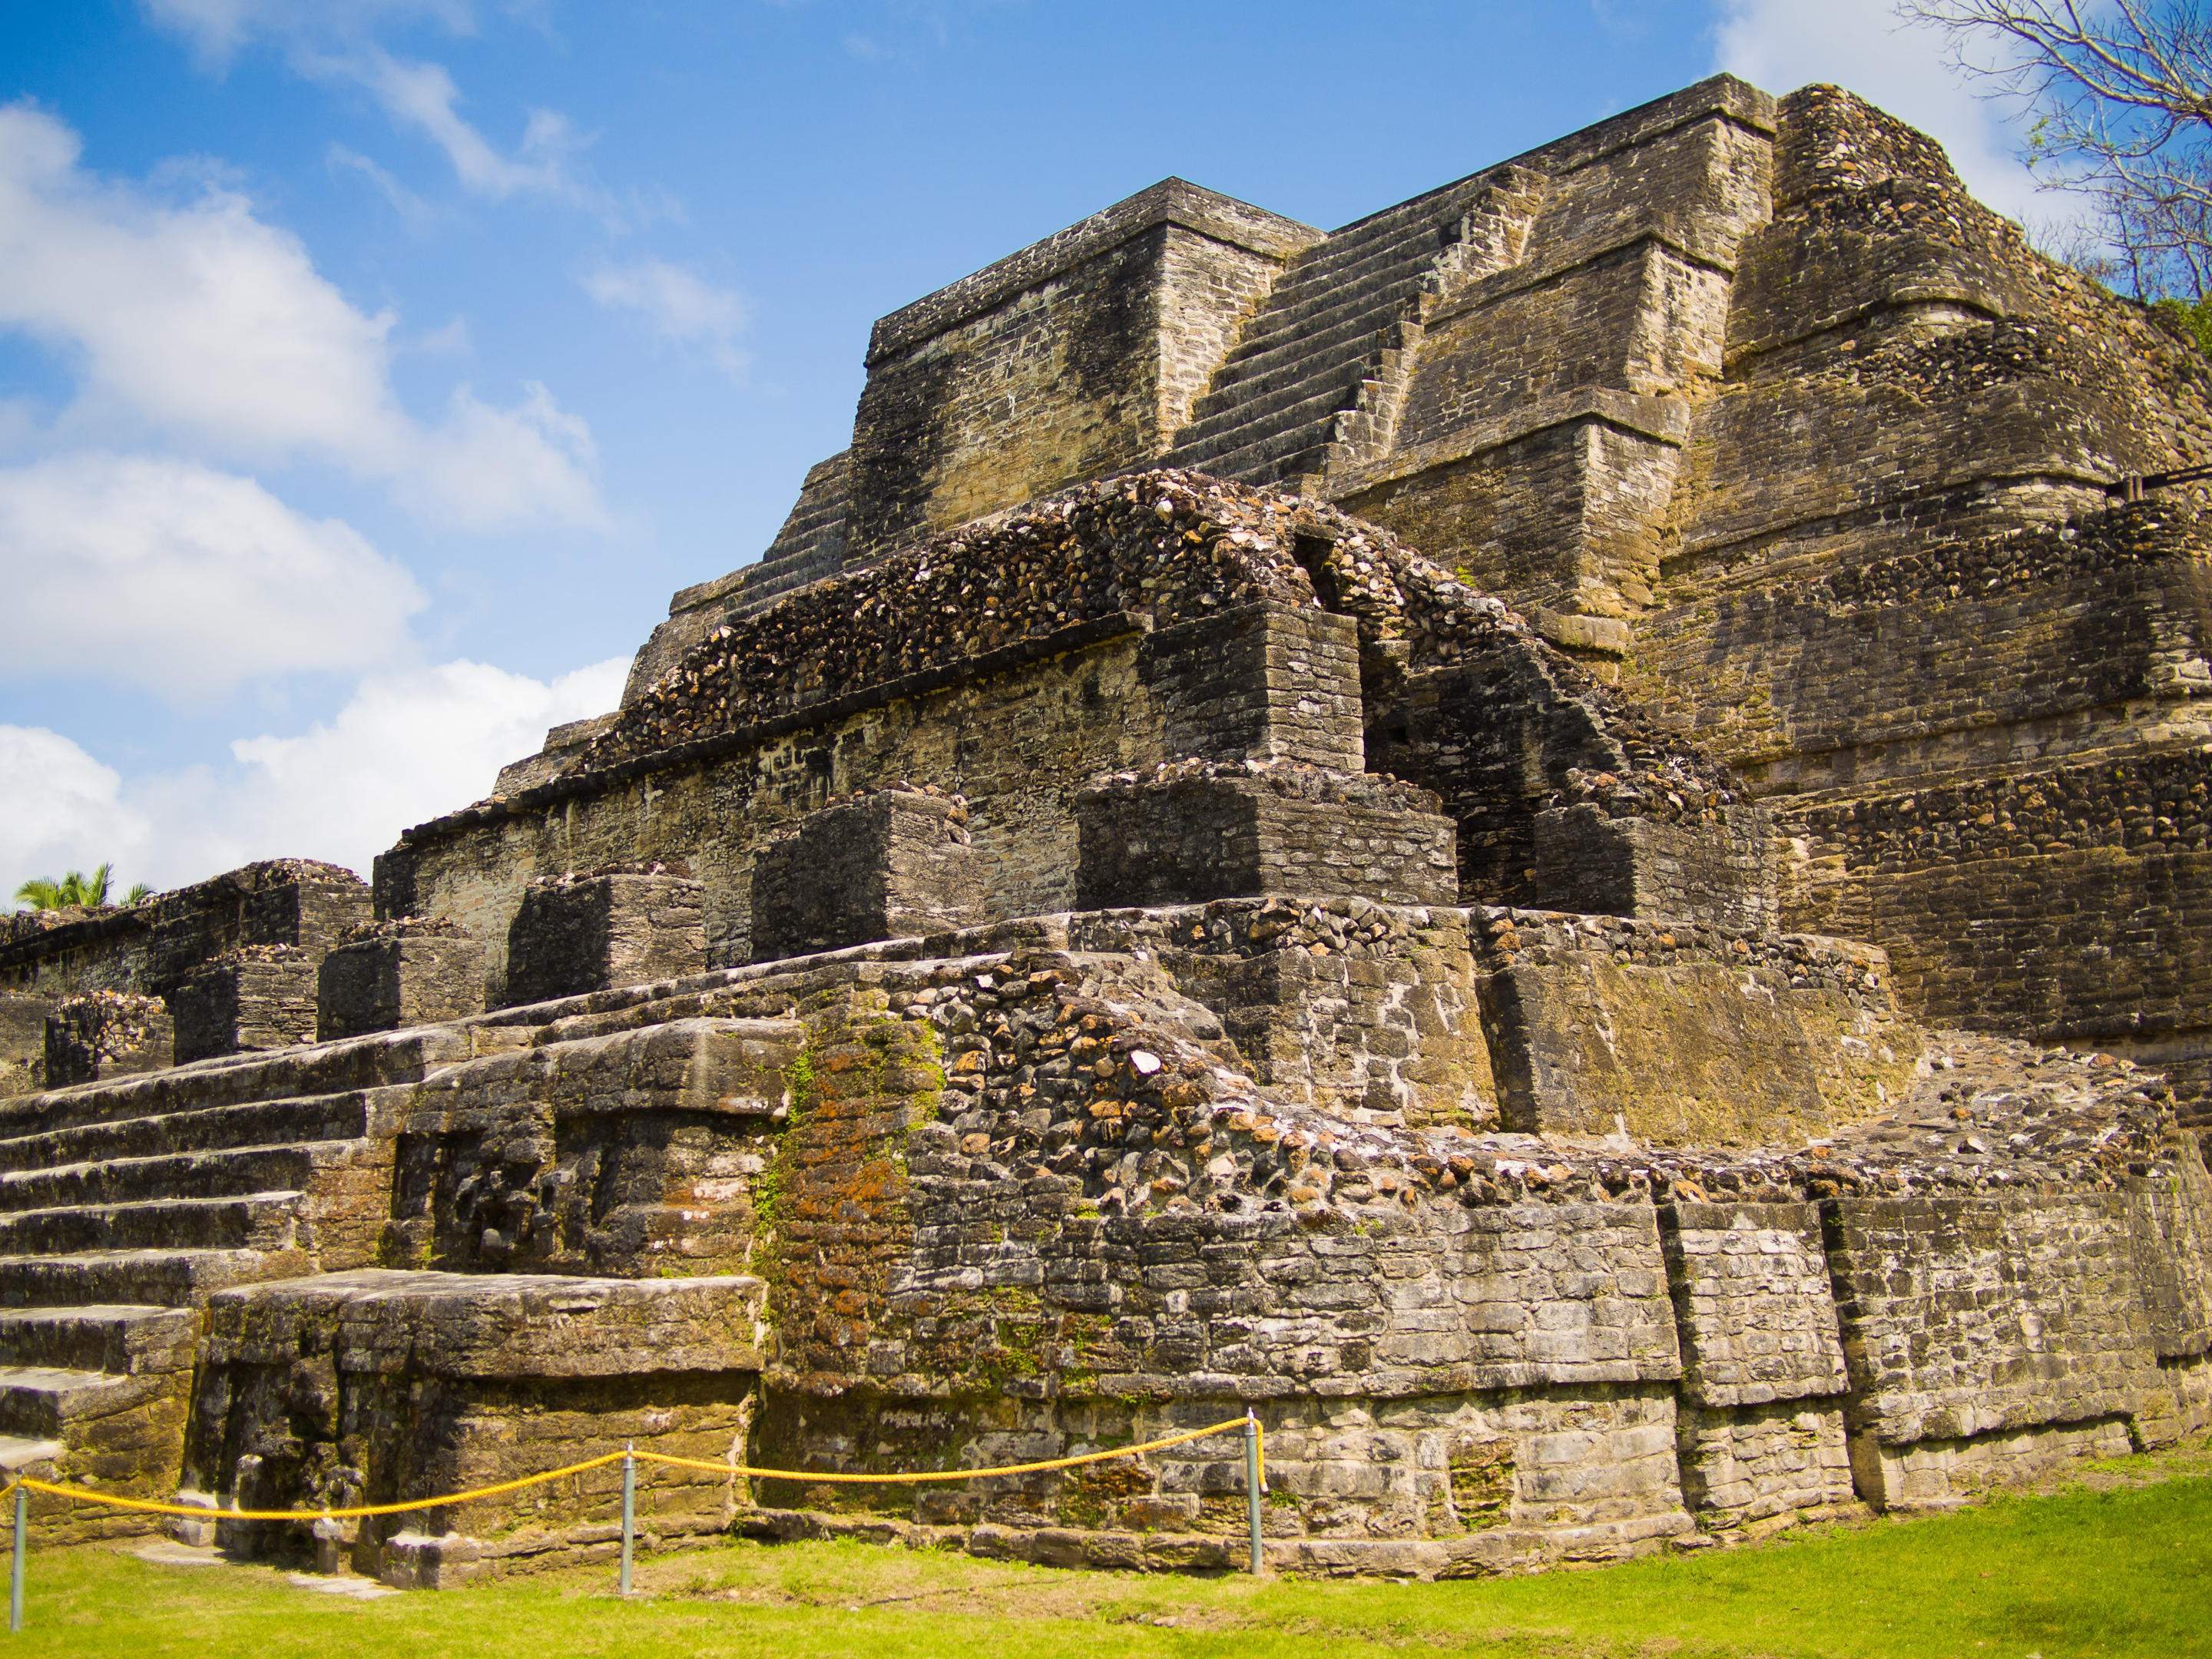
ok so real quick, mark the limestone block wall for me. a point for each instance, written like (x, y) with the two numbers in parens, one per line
(591, 930)
(1596, 1372)
(1367, 1011)
(1604, 1025)
(1197, 831)
(1270, 682)
(1969, 1318)
(1750, 1283)
(2170, 1217)
(1753, 1469)
(618, 1154)
(252, 998)
(892, 863)
(1721, 871)
(399, 973)
(96, 1034)
(1076, 357)
(147, 948)
(374, 1387)
(2013, 650)
(23, 1042)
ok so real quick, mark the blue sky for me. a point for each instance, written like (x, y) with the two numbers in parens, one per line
(372, 371)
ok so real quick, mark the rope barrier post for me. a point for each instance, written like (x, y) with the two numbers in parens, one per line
(16, 1572)
(629, 1508)
(1252, 1481)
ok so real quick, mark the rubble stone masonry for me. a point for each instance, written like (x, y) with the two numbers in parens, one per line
(1557, 841)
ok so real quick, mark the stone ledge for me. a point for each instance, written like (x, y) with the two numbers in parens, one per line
(385, 1321)
(1172, 201)
(1074, 637)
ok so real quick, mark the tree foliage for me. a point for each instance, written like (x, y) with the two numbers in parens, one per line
(2121, 94)
(45, 893)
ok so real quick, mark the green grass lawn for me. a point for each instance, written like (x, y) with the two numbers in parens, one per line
(2120, 1566)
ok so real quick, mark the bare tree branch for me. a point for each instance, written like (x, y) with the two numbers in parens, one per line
(2121, 91)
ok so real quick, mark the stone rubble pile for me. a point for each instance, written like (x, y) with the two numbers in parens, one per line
(1072, 1075)
(405, 927)
(1669, 791)
(1172, 545)
(112, 1024)
(1292, 780)
(957, 818)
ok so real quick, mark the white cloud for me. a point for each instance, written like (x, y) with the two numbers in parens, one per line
(202, 323)
(1781, 45)
(64, 810)
(418, 215)
(215, 29)
(329, 40)
(422, 96)
(407, 746)
(185, 580)
(682, 307)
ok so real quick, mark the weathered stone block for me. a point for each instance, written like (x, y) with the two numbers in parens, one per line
(399, 972)
(2170, 1219)
(23, 1042)
(1946, 1473)
(896, 862)
(255, 998)
(1363, 1009)
(104, 1034)
(1758, 1321)
(1193, 833)
(624, 1153)
(1264, 682)
(1749, 1470)
(1598, 1025)
(1722, 872)
(1966, 1317)
(431, 1382)
(586, 930)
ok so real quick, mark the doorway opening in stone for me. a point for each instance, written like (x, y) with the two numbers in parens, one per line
(1312, 553)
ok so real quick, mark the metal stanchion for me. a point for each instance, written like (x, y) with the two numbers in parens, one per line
(630, 1510)
(1252, 1480)
(15, 1575)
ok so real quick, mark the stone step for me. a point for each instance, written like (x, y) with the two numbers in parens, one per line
(1384, 236)
(326, 1068)
(125, 1339)
(1265, 453)
(1303, 427)
(1353, 337)
(163, 1277)
(226, 1172)
(40, 1401)
(20, 1454)
(1418, 234)
(250, 1221)
(255, 1123)
(1300, 315)
(1318, 380)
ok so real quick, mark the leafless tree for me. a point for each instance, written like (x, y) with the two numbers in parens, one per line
(2121, 93)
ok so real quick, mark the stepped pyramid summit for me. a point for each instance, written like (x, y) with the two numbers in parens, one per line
(1559, 839)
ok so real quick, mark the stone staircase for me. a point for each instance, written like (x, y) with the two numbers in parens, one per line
(1319, 374)
(125, 1205)
(138, 1215)
(810, 546)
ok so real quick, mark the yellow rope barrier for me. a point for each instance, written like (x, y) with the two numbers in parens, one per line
(806, 1476)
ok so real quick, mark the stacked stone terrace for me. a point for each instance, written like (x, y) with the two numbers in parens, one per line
(1254, 844)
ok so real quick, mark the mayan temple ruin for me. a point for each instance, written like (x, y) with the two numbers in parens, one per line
(1558, 839)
